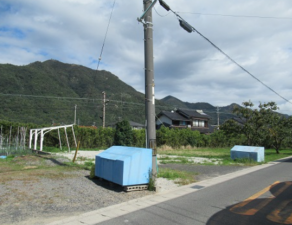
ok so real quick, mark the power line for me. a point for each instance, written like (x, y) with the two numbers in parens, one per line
(84, 107)
(190, 29)
(99, 59)
(244, 16)
(68, 98)
(160, 14)
(49, 97)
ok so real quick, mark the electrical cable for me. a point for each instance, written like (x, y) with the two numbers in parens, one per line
(160, 14)
(241, 67)
(83, 105)
(99, 59)
(244, 16)
(186, 25)
(66, 98)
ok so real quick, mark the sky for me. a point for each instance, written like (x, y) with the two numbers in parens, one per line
(257, 34)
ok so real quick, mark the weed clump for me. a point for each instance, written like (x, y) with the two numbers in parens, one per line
(92, 172)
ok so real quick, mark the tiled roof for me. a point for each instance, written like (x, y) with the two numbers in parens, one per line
(132, 124)
(193, 113)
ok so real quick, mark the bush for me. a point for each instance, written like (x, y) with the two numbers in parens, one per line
(123, 134)
(92, 172)
(139, 138)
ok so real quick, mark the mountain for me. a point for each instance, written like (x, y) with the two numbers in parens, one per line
(224, 112)
(47, 92)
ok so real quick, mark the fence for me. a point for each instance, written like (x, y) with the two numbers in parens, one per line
(13, 144)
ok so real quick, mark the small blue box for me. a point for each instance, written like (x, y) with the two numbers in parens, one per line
(124, 165)
(251, 152)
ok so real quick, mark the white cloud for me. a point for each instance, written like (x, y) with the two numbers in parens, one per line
(186, 66)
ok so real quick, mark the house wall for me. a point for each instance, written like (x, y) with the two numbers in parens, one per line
(163, 119)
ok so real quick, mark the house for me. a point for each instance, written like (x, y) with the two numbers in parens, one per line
(134, 125)
(185, 118)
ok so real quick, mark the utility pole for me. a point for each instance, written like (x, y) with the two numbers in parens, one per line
(103, 114)
(218, 118)
(75, 115)
(149, 82)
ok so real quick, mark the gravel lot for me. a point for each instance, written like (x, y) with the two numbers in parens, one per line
(40, 198)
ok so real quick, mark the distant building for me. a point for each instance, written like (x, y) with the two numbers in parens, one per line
(185, 118)
(134, 125)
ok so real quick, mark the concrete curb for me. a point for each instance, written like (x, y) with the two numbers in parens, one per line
(100, 215)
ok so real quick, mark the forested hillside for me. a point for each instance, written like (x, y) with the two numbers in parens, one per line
(47, 92)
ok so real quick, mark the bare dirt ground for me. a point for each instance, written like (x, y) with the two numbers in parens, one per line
(40, 189)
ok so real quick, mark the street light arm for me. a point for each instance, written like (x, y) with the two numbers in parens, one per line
(144, 14)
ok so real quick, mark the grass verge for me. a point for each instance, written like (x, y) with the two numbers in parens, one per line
(179, 177)
(222, 154)
(65, 149)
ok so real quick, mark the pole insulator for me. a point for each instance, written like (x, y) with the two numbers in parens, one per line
(164, 5)
(186, 26)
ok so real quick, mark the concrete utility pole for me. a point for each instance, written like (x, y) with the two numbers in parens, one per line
(103, 114)
(75, 115)
(218, 118)
(149, 83)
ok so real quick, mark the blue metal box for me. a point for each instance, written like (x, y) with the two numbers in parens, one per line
(251, 152)
(124, 165)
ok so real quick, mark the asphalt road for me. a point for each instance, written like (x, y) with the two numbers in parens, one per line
(260, 197)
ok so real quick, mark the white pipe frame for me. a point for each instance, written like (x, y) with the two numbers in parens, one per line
(42, 131)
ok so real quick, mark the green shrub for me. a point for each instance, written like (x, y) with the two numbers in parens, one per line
(92, 172)
(123, 134)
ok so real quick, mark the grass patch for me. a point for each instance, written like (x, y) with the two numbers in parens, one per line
(179, 177)
(220, 153)
(177, 160)
(88, 165)
(33, 167)
(246, 162)
(198, 152)
(270, 154)
(65, 149)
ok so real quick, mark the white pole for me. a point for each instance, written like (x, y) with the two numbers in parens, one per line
(35, 139)
(59, 139)
(67, 139)
(30, 138)
(41, 140)
(75, 115)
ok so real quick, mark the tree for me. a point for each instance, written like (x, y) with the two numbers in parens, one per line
(279, 129)
(262, 126)
(123, 134)
(250, 125)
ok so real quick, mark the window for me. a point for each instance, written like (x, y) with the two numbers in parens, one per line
(202, 123)
(195, 123)
(183, 123)
(199, 123)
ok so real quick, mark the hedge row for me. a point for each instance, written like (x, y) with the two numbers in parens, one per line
(104, 137)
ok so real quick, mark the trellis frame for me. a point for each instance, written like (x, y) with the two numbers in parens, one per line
(34, 133)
